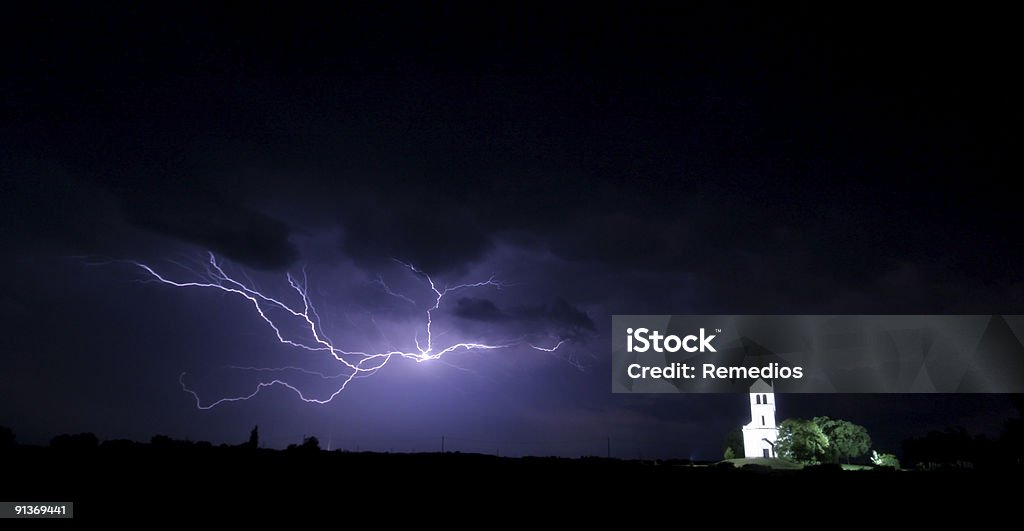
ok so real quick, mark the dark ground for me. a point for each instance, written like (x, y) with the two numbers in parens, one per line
(142, 482)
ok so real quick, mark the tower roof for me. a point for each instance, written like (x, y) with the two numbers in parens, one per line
(760, 386)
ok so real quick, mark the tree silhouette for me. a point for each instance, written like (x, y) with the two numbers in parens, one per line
(254, 437)
(7, 439)
(949, 448)
(80, 441)
(734, 442)
(309, 444)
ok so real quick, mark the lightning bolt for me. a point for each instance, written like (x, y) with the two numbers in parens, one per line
(552, 349)
(353, 364)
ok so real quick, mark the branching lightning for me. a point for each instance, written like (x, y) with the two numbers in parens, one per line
(353, 364)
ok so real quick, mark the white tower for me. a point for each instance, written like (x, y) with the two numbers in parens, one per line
(759, 436)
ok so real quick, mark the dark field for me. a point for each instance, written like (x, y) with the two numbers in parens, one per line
(142, 481)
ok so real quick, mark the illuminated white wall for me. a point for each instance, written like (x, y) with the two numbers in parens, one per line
(760, 434)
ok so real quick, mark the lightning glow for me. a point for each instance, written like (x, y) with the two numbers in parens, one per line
(353, 364)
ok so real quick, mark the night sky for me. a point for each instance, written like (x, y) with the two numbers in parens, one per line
(640, 160)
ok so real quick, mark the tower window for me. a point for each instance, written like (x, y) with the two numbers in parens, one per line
(765, 398)
(758, 399)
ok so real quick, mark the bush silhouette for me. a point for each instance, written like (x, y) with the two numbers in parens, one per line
(79, 441)
(309, 444)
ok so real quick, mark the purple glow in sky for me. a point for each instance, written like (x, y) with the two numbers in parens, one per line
(300, 325)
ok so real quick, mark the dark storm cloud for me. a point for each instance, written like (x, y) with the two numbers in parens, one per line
(723, 164)
(478, 310)
(224, 227)
(557, 317)
(414, 223)
(560, 313)
(86, 217)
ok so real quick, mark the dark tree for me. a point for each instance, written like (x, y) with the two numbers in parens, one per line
(309, 444)
(164, 442)
(80, 441)
(953, 448)
(254, 437)
(1011, 442)
(734, 442)
(161, 441)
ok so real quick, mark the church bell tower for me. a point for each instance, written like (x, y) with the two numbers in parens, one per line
(760, 434)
